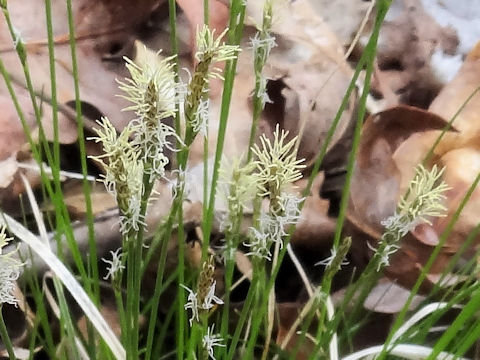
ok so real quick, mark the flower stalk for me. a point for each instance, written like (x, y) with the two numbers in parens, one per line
(133, 161)
(262, 43)
(423, 200)
(277, 169)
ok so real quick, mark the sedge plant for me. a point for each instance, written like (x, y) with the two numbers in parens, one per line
(261, 183)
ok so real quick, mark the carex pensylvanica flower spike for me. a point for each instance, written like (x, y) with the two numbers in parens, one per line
(210, 340)
(238, 184)
(272, 226)
(425, 195)
(123, 173)
(114, 266)
(277, 163)
(337, 257)
(262, 43)
(210, 50)
(151, 90)
(423, 200)
(204, 299)
(277, 168)
(9, 271)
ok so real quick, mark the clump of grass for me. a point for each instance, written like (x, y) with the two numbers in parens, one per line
(200, 317)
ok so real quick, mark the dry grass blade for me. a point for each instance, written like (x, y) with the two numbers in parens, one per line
(425, 311)
(405, 351)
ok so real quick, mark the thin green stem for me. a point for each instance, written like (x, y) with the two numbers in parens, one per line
(33, 338)
(92, 244)
(261, 302)
(237, 11)
(172, 16)
(369, 53)
(181, 281)
(66, 318)
(53, 84)
(246, 311)
(5, 337)
(231, 245)
(134, 274)
(120, 309)
(206, 12)
(156, 298)
(193, 340)
(129, 345)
